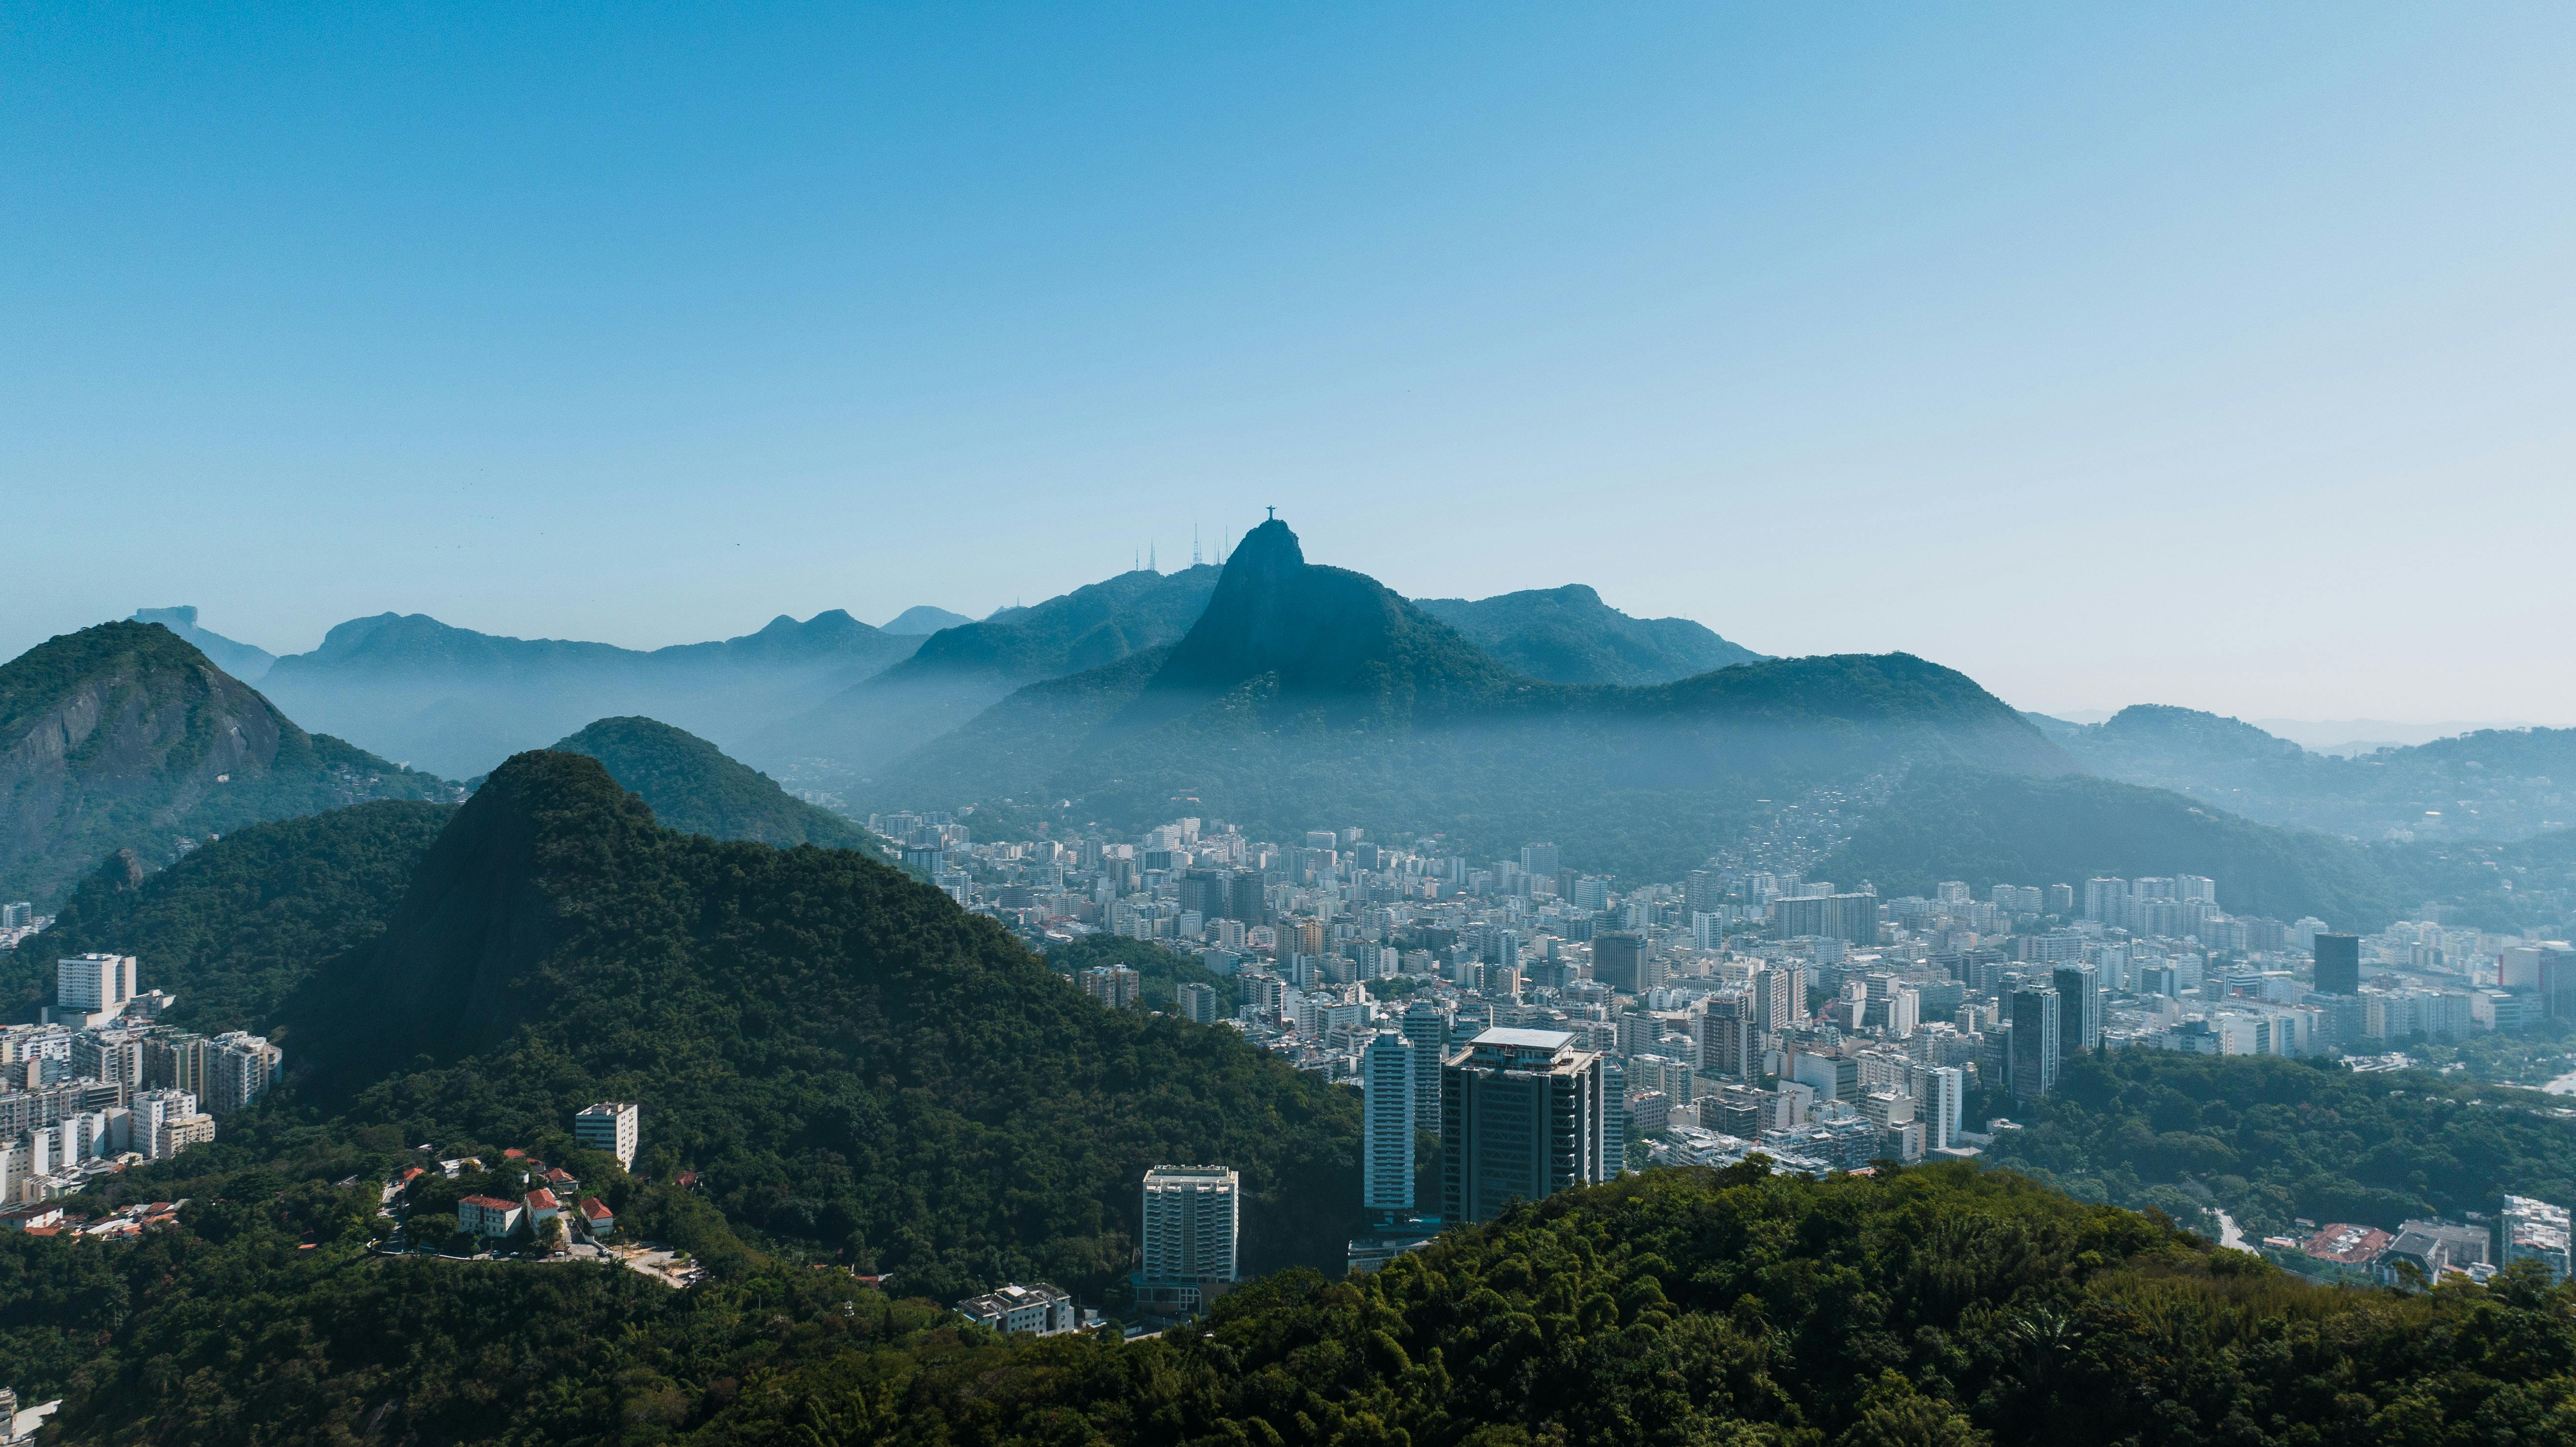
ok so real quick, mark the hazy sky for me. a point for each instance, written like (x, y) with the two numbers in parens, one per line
(2215, 355)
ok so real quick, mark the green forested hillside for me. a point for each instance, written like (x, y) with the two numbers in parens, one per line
(693, 787)
(1925, 1308)
(1160, 972)
(1568, 635)
(851, 1060)
(1988, 827)
(124, 736)
(2277, 1139)
(237, 927)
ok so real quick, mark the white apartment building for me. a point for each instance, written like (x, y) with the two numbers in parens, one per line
(612, 1126)
(1191, 1215)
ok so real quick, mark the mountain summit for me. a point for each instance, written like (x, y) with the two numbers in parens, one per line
(124, 736)
(1317, 636)
(693, 787)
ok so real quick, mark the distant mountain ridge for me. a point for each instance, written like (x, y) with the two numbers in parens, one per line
(2494, 784)
(125, 736)
(1305, 691)
(462, 701)
(1991, 828)
(1568, 635)
(958, 672)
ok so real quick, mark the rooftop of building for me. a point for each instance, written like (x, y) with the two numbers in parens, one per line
(1014, 1298)
(2347, 1244)
(1524, 1039)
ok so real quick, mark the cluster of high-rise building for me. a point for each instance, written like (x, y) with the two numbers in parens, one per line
(100, 1081)
(1739, 1009)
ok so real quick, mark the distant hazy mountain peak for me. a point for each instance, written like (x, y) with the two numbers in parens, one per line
(244, 661)
(922, 618)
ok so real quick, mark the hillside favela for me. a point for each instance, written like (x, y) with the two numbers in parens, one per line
(1689, 726)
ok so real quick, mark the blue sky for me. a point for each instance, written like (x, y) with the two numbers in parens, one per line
(2214, 355)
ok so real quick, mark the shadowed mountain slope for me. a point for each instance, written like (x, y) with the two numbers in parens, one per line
(124, 736)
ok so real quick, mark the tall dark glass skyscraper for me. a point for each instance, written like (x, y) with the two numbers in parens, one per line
(2079, 1004)
(2338, 964)
(2036, 1024)
(1522, 1116)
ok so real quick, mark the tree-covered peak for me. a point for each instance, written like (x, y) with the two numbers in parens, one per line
(696, 787)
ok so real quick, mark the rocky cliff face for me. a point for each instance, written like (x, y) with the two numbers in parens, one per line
(124, 736)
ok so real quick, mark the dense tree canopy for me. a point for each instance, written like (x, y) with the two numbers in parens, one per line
(1927, 1306)
(2277, 1139)
(235, 928)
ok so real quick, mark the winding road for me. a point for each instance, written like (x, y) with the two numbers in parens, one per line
(2230, 1235)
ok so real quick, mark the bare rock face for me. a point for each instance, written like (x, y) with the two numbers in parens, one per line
(123, 872)
(125, 738)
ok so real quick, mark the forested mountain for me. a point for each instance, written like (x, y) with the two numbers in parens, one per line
(460, 701)
(236, 928)
(1307, 692)
(244, 661)
(850, 1059)
(1988, 827)
(2276, 1140)
(961, 670)
(2496, 784)
(1568, 635)
(1929, 1307)
(692, 787)
(124, 736)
